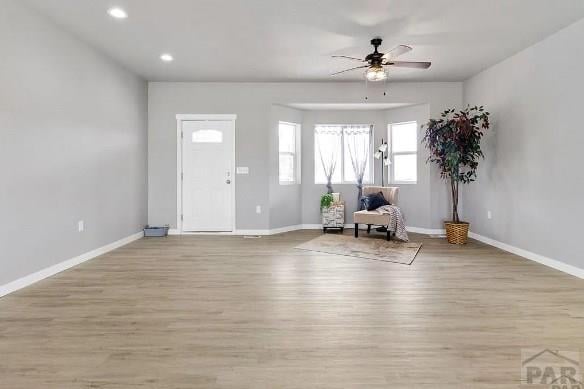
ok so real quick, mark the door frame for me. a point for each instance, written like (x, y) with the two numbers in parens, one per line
(180, 118)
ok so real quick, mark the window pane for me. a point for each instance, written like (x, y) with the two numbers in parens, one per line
(287, 152)
(357, 150)
(350, 172)
(287, 167)
(287, 137)
(405, 168)
(327, 153)
(207, 136)
(404, 137)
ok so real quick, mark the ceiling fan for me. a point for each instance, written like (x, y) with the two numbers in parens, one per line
(377, 61)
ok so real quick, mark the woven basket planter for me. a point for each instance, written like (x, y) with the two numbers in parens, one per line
(457, 233)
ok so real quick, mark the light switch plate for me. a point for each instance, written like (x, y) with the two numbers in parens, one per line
(242, 170)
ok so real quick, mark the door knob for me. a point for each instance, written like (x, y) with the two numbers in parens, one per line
(228, 181)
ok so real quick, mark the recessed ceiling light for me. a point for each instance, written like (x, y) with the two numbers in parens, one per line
(166, 57)
(117, 13)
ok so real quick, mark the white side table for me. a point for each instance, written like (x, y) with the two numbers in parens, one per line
(333, 216)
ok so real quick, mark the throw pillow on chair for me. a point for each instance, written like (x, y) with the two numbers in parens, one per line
(373, 201)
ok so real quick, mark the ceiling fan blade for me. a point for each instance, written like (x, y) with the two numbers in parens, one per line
(347, 70)
(347, 57)
(409, 64)
(396, 52)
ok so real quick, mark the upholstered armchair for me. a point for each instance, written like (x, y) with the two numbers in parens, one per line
(372, 218)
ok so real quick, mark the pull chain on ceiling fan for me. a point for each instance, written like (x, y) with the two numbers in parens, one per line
(377, 62)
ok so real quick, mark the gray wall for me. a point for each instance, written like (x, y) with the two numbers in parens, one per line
(253, 108)
(73, 146)
(532, 179)
(252, 102)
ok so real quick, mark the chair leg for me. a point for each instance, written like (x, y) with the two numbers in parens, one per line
(368, 228)
(388, 234)
(356, 230)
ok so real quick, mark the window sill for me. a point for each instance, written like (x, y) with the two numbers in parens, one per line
(345, 183)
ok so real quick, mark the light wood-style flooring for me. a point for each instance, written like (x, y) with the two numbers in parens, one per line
(228, 312)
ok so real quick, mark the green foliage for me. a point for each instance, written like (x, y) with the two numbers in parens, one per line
(326, 200)
(454, 142)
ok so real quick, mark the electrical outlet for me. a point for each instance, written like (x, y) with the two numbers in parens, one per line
(258, 209)
(81, 226)
(489, 215)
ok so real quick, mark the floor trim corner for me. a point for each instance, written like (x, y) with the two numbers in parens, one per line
(549, 262)
(30, 279)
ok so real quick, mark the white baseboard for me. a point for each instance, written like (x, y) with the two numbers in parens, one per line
(173, 231)
(553, 263)
(312, 226)
(50, 271)
(61, 266)
(280, 230)
(319, 226)
(240, 232)
(426, 231)
(418, 230)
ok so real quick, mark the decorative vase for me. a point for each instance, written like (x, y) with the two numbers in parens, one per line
(456, 233)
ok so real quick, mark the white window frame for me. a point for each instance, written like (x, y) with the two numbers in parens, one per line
(296, 154)
(392, 154)
(342, 164)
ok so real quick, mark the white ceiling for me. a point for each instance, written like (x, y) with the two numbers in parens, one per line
(346, 106)
(292, 40)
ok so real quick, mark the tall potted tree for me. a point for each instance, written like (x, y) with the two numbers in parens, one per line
(454, 142)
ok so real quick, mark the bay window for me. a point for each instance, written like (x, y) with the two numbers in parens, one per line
(343, 152)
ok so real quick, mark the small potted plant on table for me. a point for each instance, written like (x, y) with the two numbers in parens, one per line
(454, 142)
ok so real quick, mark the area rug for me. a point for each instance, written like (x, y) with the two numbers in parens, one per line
(377, 249)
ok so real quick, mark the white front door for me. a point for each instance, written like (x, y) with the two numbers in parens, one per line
(207, 180)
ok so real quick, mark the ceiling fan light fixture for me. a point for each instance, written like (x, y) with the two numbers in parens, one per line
(376, 62)
(118, 13)
(167, 58)
(376, 73)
